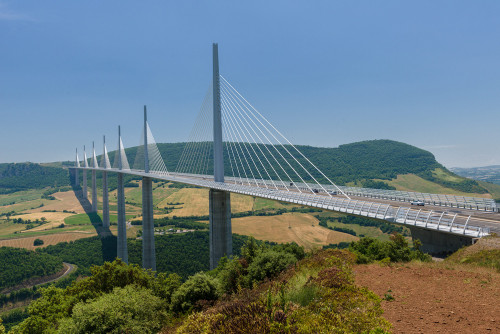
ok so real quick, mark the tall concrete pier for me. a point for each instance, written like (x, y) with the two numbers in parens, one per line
(77, 164)
(94, 181)
(85, 194)
(221, 242)
(105, 194)
(121, 243)
(148, 237)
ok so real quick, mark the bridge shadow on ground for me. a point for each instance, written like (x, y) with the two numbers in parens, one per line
(108, 240)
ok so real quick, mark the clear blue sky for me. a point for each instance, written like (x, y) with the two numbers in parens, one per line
(326, 72)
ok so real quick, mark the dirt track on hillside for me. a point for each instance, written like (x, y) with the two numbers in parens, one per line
(429, 298)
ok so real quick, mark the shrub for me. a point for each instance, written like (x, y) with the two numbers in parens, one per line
(38, 242)
(197, 288)
(131, 309)
(268, 264)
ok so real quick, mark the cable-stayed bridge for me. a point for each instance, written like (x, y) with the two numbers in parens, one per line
(233, 148)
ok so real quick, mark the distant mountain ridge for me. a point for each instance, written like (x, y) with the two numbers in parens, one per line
(363, 163)
(487, 173)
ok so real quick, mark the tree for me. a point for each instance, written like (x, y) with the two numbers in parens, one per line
(268, 264)
(38, 242)
(196, 288)
(131, 309)
(2, 328)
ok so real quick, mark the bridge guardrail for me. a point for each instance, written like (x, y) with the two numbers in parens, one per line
(452, 201)
(443, 222)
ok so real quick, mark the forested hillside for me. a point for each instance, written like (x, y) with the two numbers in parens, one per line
(360, 163)
(22, 176)
(184, 254)
(17, 265)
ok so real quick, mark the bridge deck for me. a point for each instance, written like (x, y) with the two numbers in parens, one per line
(457, 222)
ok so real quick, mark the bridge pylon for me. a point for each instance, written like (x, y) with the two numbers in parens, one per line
(77, 164)
(94, 181)
(221, 242)
(105, 193)
(121, 244)
(148, 237)
(85, 194)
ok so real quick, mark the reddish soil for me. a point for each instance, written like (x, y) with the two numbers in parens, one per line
(437, 297)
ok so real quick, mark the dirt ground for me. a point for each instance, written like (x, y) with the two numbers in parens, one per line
(437, 297)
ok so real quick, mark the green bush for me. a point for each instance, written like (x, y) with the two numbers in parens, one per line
(397, 250)
(132, 309)
(38, 242)
(268, 264)
(197, 288)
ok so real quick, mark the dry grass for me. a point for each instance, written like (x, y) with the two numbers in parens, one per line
(54, 219)
(195, 202)
(64, 201)
(50, 239)
(289, 227)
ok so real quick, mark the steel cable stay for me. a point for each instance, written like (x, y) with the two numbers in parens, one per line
(240, 141)
(231, 144)
(236, 145)
(189, 147)
(228, 146)
(279, 133)
(264, 144)
(199, 136)
(262, 166)
(246, 140)
(193, 146)
(288, 163)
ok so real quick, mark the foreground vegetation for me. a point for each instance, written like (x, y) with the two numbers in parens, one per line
(18, 265)
(264, 289)
(315, 293)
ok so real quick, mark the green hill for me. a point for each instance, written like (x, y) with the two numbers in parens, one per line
(363, 163)
(27, 175)
(373, 163)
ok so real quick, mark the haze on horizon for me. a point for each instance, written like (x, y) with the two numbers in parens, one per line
(425, 73)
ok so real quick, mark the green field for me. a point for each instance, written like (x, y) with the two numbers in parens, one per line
(412, 182)
(91, 218)
(21, 196)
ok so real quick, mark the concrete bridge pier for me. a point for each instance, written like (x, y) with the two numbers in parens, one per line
(148, 237)
(94, 192)
(85, 194)
(77, 177)
(148, 227)
(105, 200)
(220, 235)
(122, 251)
(221, 238)
(437, 242)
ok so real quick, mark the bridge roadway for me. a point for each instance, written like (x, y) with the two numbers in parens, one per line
(458, 222)
(480, 218)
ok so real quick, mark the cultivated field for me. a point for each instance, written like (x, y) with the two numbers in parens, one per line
(54, 219)
(289, 227)
(64, 201)
(50, 239)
